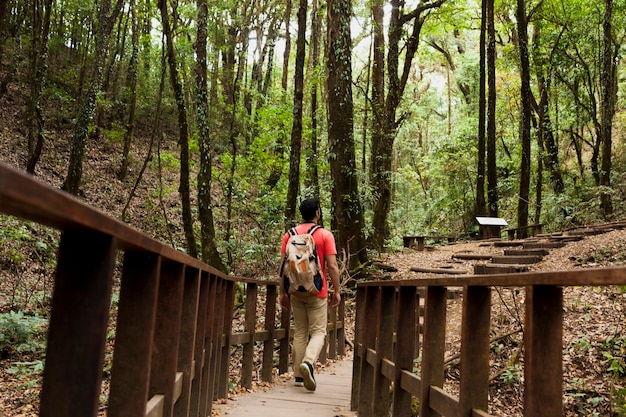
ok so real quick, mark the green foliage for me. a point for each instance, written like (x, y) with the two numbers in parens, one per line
(21, 333)
(511, 374)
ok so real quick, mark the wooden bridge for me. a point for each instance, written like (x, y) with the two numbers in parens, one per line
(175, 335)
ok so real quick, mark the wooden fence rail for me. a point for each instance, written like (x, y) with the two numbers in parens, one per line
(388, 308)
(174, 329)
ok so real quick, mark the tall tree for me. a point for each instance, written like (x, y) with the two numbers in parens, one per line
(492, 175)
(383, 135)
(481, 204)
(347, 211)
(608, 83)
(208, 244)
(39, 73)
(131, 92)
(106, 19)
(296, 130)
(525, 115)
(183, 131)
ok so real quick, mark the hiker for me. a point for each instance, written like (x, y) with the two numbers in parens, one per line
(309, 309)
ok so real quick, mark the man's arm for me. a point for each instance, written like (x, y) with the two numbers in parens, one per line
(332, 269)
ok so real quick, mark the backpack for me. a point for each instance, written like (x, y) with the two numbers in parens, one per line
(301, 267)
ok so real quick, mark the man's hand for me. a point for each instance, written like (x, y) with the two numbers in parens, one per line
(285, 302)
(336, 298)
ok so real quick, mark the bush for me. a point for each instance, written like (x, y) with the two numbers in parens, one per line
(21, 333)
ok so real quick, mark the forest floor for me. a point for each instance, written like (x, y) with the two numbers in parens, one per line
(594, 343)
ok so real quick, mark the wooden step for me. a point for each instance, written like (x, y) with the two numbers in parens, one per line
(505, 243)
(520, 260)
(567, 238)
(526, 252)
(490, 269)
(543, 245)
(472, 256)
(449, 271)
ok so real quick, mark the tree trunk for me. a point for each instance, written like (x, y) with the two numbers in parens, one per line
(546, 133)
(205, 211)
(526, 109)
(492, 173)
(106, 21)
(383, 136)
(347, 212)
(481, 204)
(296, 131)
(131, 84)
(316, 29)
(39, 74)
(183, 133)
(608, 86)
(285, 77)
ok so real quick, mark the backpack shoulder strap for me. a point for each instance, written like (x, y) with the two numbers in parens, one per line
(292, 231)
(313, 229)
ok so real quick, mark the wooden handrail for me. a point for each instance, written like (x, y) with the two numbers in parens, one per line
(174, 330)
(388, 307)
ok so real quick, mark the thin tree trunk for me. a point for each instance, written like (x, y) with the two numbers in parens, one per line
(481, 204)
(608, 84)
(296, 130)
(492, 176)
(131, 84)
(106, 20)
(39, 70)
(285, 77)
(183, 133)
(316, 28)
(205, 211)
(526, 109)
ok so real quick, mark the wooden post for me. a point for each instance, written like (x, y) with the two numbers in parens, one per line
(474, 387)
(201, 352)
(187, 338)
(366, 389)
(434, 345)
(543, 361)
(406, 336)
(134, 334)
(167, 333)
(80, 313)
(268, 345)
(384, 350)
(357, 367)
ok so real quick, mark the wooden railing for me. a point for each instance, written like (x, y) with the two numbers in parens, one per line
(174, 329)
(388, 342)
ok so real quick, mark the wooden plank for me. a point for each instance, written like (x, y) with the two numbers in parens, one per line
(80, 311)
(516, 259)
(472, 256)
(443, 403)
(330, 399)
(268, 346)
(199, 378)
(134, 334)
(359, 328)
(574, 277)
(444, 271)
(154, 407)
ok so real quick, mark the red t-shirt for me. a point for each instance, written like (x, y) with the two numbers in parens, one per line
(325, 245)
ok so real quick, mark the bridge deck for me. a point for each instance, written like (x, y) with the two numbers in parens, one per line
(330, 399)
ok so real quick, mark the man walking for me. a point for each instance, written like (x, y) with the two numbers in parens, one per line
(310, 311)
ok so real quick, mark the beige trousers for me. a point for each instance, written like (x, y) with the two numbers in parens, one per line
(310, 319)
